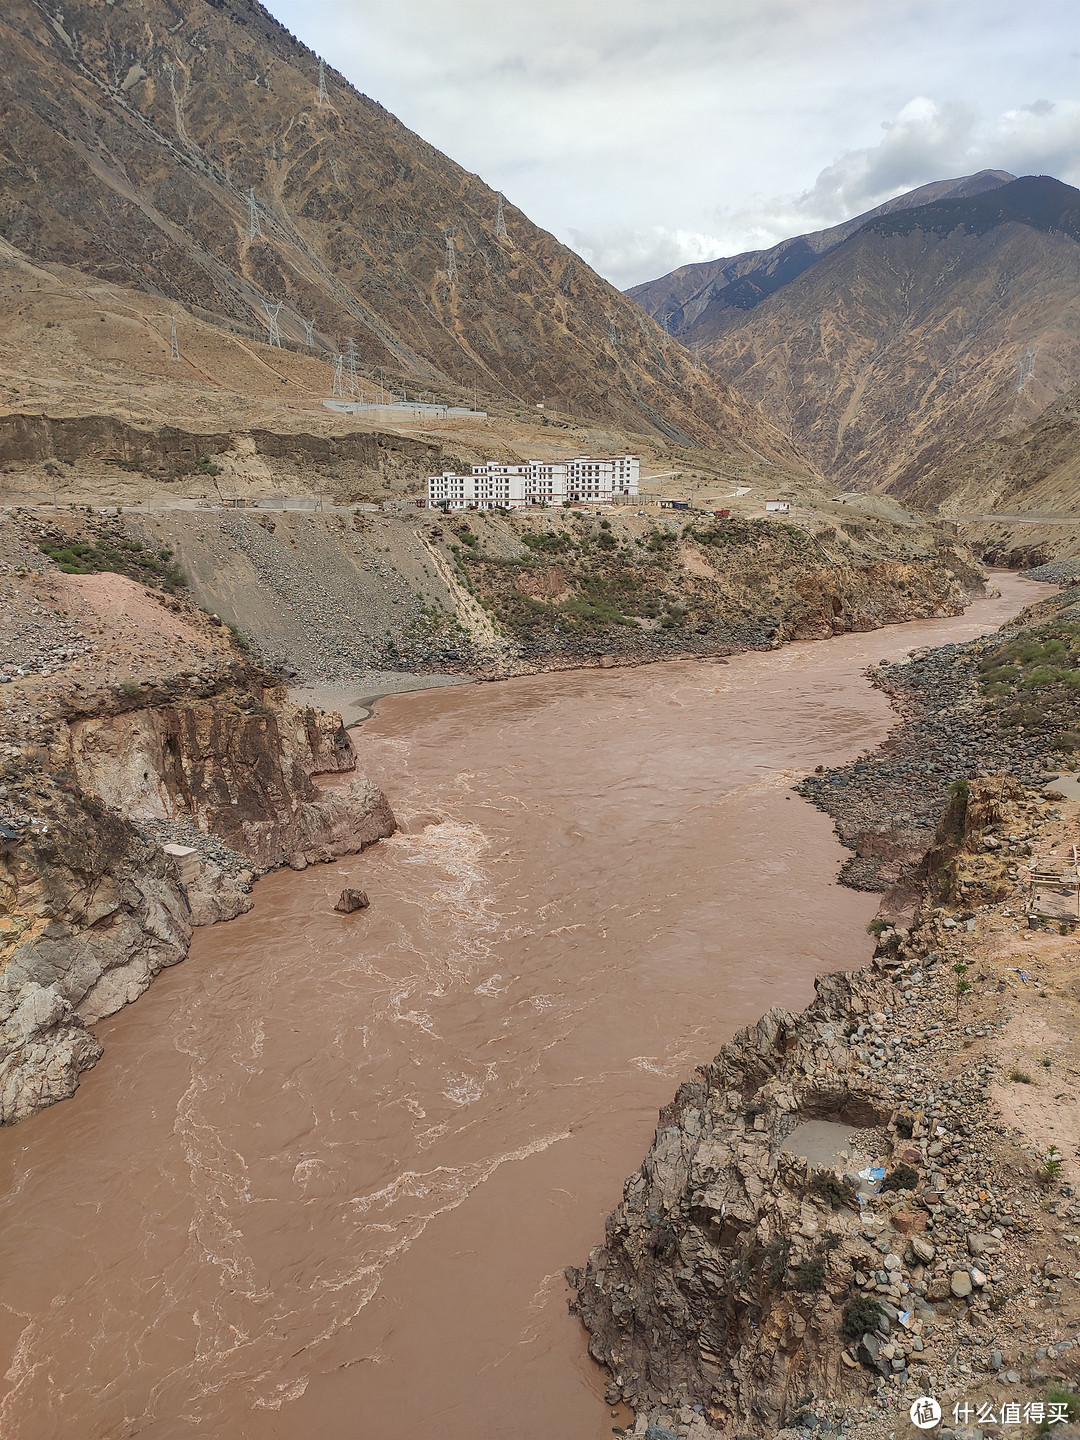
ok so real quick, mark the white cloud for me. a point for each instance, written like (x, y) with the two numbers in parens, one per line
(647, 131)
(644, 252)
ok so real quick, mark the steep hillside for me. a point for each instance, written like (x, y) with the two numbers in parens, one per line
(1034, 471)
(1017, 497)
(925, 332)
(180, 147)
(698, 302)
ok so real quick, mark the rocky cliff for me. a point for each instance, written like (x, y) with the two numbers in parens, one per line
(147, 773)
(92, 905)
(182, 149)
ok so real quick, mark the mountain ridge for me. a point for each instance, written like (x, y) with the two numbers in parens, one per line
(182, 149)
(921, 334)
(694, 297)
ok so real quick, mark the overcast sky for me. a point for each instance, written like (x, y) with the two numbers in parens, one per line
(649, 133)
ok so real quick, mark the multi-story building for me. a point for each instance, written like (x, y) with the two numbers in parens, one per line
(587, 479)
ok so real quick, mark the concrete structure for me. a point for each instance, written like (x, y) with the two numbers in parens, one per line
(585, 480)
(777, 507)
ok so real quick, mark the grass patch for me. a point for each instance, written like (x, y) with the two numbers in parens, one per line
(117, 555)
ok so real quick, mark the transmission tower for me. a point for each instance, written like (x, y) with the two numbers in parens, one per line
(272, 313)
(451, 255)
(351, 357)
(322, 98)
(175, 347)
(309, 326)
(500, 223)
(254, 228)
(339, 387)
(612, 333)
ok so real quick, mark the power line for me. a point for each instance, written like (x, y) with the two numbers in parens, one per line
(254, 228)
(272, 313)
(500, 223)
(174, 345)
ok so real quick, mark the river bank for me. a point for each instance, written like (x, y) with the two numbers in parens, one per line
(726, 1298)
(321, 1132)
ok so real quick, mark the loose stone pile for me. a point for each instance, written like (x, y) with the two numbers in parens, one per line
(886, 804)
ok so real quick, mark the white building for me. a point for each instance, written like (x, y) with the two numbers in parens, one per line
(587, 479)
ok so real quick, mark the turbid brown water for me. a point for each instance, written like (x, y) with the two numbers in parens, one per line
(327, 1176)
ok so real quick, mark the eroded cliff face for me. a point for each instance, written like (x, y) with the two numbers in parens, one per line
(689, 1300)
(238, 765)
(89, 913)
(92, 907)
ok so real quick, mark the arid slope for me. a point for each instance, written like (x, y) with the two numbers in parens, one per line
(179, 147)
(924, 333)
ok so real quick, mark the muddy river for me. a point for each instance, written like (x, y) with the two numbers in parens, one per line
(325, 1180)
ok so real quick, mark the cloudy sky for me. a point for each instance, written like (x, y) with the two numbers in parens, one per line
(649, 133)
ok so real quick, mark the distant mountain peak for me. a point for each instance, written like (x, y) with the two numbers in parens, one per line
(693, 298)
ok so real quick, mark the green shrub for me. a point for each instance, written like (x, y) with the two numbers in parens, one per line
(1065, 1402)
(826, 1186)
(1050, 1173)
(776, 1261)
(862, 1315)
(810, 1274)
(904, 1177)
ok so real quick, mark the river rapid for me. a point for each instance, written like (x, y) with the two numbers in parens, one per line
(326, 1178)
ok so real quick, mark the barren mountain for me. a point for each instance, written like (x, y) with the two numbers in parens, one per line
(183, 147)
(1035, 471)
(698, 302)
(925, 332)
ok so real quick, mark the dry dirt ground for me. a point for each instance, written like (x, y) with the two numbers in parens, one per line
(72, 345)
(64, 638)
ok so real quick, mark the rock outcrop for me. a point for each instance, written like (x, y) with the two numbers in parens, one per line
(93, 905)
(833, 1210)
(690, 1300)
(238, 765)
(90, 913)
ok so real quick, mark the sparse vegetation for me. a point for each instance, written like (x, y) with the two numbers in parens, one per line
(862, 1314)
(826, 1186)
(810, 1274)
(116, 554)
(1060, 1405)
(903, 1177)
(1050, 1174)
